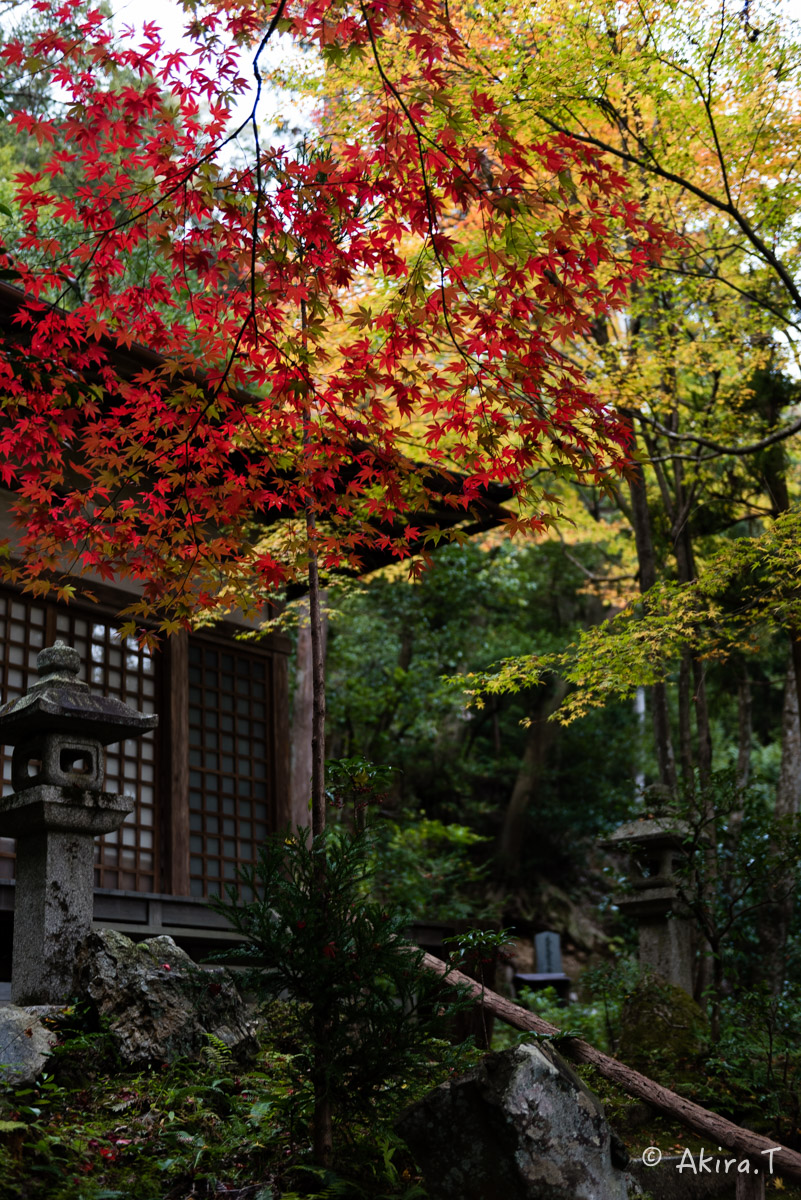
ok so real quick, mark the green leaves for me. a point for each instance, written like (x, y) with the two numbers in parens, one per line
(749, 590)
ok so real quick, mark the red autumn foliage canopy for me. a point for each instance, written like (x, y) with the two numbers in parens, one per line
(322, 327)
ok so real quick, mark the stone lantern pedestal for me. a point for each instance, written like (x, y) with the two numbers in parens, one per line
(665, 929)
(58, 730)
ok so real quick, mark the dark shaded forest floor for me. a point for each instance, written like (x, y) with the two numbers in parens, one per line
(91, 1130)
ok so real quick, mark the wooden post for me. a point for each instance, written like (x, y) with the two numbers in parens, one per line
(751, 1185)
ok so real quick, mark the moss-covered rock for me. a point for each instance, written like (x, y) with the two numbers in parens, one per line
(661, 1027)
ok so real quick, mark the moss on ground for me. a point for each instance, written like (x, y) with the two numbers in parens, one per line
(91, 1130)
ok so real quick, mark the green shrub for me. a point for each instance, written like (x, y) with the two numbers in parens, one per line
(366, 1011)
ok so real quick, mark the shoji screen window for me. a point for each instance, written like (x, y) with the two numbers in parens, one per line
(228, 768)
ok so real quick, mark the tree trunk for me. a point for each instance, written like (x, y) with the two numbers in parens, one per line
(539, 739)
(322, 1118)
(318, 686)
(788, 789)
(646, 561)
(775, 925)
(703, 732)
(744, 728)
(322, 1121)
(300, 782)
(685, 723)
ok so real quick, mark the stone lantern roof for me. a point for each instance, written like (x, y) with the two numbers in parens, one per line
(60, 702)
(649, 832)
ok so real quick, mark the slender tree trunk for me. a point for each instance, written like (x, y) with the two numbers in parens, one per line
(323, 1136)
(703, 732)
(775, 925)
(539, 739)
(318, 684)
(744, 728)
(322, 1120)
(646, 560)
(795, 652)
(685, 723)
(690, 665)
(788, 790)
(300, 782)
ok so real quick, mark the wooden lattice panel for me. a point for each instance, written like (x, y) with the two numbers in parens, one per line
(229, 710)
(23, 633)
(128, 858)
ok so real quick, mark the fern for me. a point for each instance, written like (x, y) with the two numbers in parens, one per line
(216, 1055)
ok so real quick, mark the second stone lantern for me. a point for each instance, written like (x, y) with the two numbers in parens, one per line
(58, 730)
(657, 848)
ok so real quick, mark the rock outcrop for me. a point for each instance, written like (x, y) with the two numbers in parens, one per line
(25, 1043)
(158, 1004)
(520, 1126)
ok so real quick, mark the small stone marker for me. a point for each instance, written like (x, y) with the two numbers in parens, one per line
(549, 973)
(548, 949)
(58, 731)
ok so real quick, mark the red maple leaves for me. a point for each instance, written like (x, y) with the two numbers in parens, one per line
(311, 329)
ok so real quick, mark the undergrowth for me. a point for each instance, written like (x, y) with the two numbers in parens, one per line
(90, 1129)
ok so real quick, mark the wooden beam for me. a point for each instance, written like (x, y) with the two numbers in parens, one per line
(174, 772)
(279, 748)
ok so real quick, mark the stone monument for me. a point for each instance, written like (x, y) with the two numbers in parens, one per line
(549, 973)
(58, 807)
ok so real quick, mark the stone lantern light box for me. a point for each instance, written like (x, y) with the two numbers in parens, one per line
(58, 730)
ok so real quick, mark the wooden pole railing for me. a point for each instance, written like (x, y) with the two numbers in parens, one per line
(743, 1142)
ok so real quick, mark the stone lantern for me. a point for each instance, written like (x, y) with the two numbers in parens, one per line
(656, 845)
(58, 807)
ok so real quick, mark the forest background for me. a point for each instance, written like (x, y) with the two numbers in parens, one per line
(649, 661)
(647, 626)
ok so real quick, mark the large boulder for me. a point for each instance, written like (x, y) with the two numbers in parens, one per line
(520, 1126)
(25, 1042)
(158, 1004)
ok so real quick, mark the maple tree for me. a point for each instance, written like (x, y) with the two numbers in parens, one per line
(276, 423)
(231, 275)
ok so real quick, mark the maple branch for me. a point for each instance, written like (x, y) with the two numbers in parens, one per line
(778, 436)
(279, 12)
(418, 136)
(591, 575)
(469, 360)
(647, 161)
(170, 191)
(759, 301)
